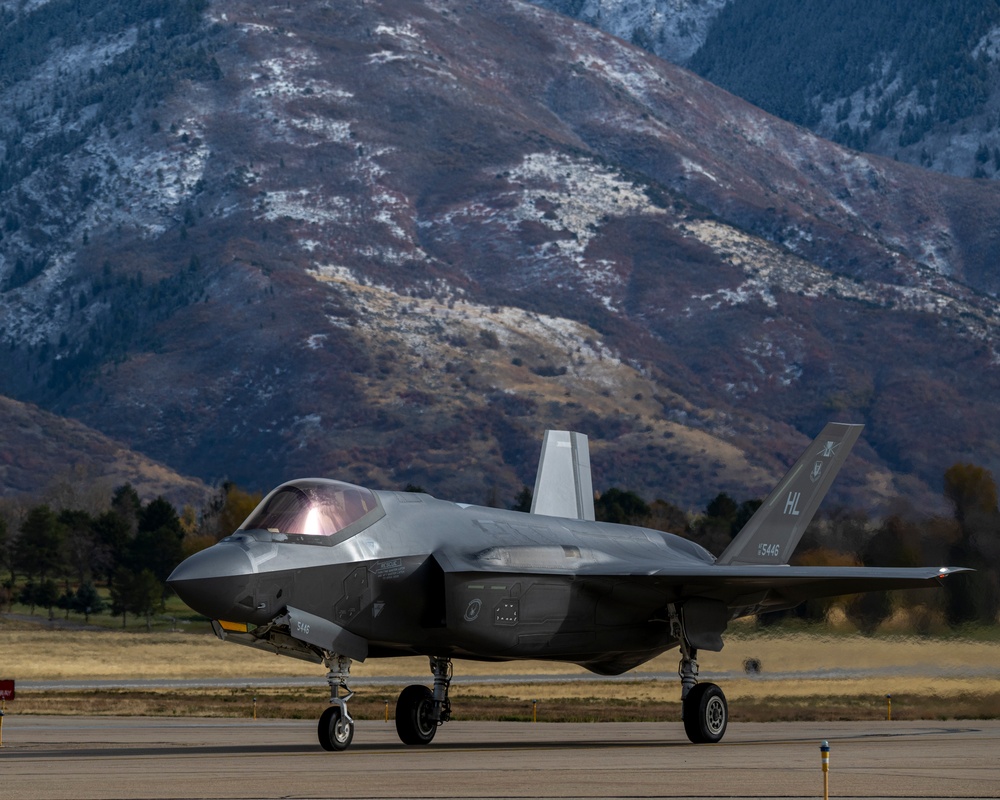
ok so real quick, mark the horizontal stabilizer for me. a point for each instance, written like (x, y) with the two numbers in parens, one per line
(563, 486)
(772, 534)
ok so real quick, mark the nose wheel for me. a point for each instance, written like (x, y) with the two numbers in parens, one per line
(336, 727)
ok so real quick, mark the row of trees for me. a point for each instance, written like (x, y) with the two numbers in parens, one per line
(55, 558)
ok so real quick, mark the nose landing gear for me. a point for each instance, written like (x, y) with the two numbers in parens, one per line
(336, 727)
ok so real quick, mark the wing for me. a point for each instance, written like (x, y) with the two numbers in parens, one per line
(743, 589)
(748, 590)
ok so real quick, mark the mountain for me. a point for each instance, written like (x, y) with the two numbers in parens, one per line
(672, 29)
(66, 463)
(394, 241)
(919, 82)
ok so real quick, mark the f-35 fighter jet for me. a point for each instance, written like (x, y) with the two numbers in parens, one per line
(330, 572)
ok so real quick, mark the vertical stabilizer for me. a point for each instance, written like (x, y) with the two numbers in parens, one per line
(773, 532)
(563, 486)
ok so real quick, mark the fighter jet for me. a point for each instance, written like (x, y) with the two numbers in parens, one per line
(334, 573)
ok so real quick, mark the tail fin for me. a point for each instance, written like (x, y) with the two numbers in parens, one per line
(563, 486)
(771, 535)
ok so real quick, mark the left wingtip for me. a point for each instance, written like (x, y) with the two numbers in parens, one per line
(944, 572)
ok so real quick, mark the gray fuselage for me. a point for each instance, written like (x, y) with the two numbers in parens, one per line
(423, 576)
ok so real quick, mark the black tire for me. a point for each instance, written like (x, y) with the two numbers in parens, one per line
(706, 714)
(413, 715)
(335, 732)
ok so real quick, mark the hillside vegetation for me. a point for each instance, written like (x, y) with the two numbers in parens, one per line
(253, 243)
(918, 81)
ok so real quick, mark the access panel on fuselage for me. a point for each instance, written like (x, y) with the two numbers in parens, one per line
(517, 615)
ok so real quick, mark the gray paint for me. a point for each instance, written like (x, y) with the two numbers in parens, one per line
(418, 575)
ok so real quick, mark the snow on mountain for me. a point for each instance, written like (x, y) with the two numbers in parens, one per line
(394, 241)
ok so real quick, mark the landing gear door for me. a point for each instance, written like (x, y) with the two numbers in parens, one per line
(326, 635)
(704, 623)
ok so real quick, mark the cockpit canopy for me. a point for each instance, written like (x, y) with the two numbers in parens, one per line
(315, 509)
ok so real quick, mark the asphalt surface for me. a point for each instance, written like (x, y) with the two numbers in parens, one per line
(79, 758)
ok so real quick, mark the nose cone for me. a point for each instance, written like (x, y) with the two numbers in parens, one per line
(217, 582)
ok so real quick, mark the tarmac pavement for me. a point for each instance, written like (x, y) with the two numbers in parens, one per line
(79, 758)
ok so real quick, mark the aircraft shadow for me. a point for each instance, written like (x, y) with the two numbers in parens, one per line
(180, 751)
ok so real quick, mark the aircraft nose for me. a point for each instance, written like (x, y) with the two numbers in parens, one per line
(216, 582)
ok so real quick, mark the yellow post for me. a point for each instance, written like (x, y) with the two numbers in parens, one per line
(386, 710)
(534, 711)
(888, 710)
(824, 750)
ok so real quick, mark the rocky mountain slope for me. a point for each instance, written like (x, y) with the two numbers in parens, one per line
(916, 82)
(394, 241)
(672, 29)
(62, 461)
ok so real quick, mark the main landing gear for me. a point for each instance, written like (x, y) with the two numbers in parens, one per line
(419, 710)
(703, 705)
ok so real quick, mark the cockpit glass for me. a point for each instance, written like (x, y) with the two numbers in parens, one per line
(311, 507)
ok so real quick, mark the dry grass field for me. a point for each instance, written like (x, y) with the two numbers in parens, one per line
(927, 677)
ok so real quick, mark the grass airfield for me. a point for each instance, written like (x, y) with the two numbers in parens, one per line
(810, 674)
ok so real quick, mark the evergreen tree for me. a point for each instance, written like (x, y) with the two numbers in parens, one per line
(87, 601)
(79, 528)
(28, 596)
(145, 596)
(523, 501)
(715, 528)
(622, 507)
(158, 551)
(111, 539)
(126, 503)
(157, 514)
(41, 546)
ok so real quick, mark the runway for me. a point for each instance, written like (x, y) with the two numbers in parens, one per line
(81, 758)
